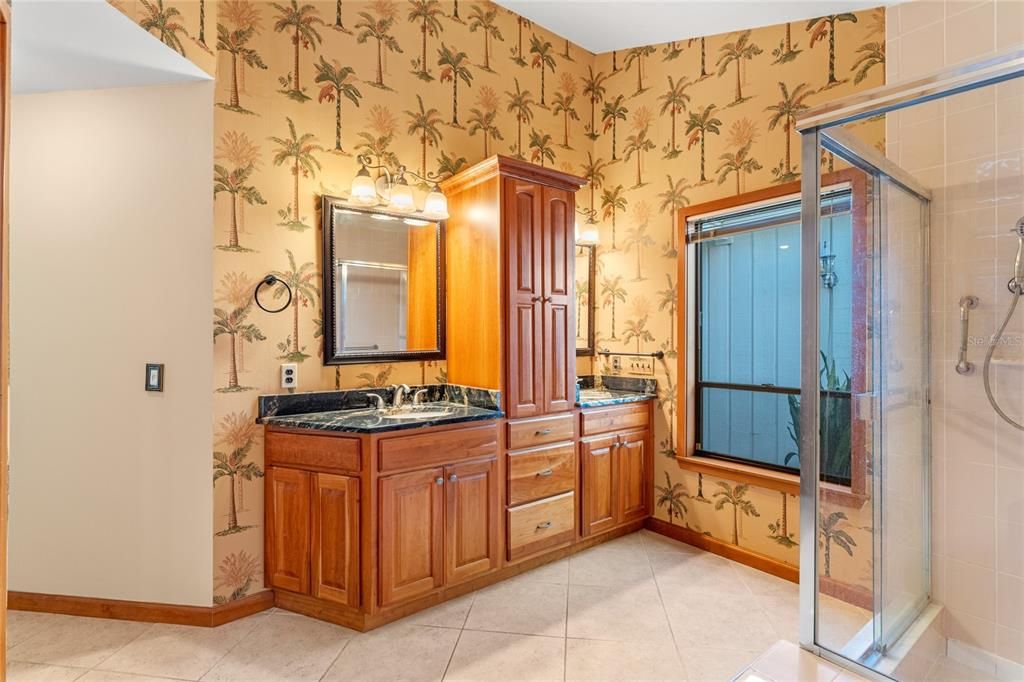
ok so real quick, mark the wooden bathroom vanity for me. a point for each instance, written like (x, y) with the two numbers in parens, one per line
(362, 529)
(366, 525)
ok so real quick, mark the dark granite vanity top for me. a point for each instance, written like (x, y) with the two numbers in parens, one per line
(353, 411)
(615, 391)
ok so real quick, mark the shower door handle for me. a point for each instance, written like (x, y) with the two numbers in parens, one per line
(967, 304)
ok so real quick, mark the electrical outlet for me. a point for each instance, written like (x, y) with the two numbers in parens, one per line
(289, 375)
(643, 366)
(616, 363)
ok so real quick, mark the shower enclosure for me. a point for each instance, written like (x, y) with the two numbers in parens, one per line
(931, 206)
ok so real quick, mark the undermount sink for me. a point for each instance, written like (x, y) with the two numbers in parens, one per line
(595, 393)
(416, 413)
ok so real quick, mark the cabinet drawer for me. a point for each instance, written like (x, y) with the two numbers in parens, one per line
(324, 453)
(615, 418)
(526, 433)
(537, 473)
(539, 525)
(439, 447)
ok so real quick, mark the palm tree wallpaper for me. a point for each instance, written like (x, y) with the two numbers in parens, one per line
(305, 85)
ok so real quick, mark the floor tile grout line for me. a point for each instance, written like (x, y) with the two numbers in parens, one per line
(451, 656)
(334, 661)
(236, 644)
(120, 648)
(565, 638)
(672, 633)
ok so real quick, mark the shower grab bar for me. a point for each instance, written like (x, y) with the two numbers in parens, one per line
(967, 304)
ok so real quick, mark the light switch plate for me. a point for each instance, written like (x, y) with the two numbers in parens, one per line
(289, 375)
(642, 366)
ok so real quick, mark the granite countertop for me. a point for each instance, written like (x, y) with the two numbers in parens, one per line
(614, 391)
(599, 397)
(375, 421)
(351, 412)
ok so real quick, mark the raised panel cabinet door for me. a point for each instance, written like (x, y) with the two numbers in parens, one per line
(335, 548)
(411, 535)
(288, 529)
(600, 481)
(523, 225)
(471, 520)
(559, 294)
(633, 486)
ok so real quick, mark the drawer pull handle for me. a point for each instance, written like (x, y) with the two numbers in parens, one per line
(543, 432)
(544, 526)
(545, 473)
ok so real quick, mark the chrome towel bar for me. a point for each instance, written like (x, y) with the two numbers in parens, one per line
(967, 304)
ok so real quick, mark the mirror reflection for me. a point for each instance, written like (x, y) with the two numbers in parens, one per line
(585, 300)
(384, 284)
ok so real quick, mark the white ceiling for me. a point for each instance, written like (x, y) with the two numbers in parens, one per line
(606, 25)
(85, 45)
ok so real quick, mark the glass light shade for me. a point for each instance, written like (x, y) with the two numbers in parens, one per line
(435, 206)
(588, 237)
(363, 191)
(401, 198)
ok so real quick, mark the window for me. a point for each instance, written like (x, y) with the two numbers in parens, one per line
(747, 364)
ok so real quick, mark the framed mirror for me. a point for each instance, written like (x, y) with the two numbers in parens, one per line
(585, 269)
(383, 286)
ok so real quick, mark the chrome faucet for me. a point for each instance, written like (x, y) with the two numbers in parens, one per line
(375, 401)
(418, 396)
(401, 390)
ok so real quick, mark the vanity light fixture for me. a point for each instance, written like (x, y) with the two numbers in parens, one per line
(392, 190)
(588, 236)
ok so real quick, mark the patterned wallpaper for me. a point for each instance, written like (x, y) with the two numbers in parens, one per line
(439, 85)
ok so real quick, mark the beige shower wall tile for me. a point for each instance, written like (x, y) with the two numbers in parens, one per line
(975, 32)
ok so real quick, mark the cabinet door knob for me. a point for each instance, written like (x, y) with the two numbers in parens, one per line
(542, 432)
(439, 480)
(536, 298)
(545, 473)
(544, 526)
(453, 478)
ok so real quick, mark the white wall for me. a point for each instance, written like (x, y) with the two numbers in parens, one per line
(111, 268)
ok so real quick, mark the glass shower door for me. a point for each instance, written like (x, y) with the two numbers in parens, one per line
(901, 465)
(872, 546)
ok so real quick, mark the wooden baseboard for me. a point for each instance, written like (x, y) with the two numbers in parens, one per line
(710, 544)
(148, 612)
(851, 594)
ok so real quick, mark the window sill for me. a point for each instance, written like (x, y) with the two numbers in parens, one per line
(745, 473)
(841, 496)
(831, 493)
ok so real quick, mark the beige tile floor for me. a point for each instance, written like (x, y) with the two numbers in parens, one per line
(639, 607)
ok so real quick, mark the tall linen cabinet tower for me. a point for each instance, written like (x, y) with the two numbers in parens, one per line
(512, 327)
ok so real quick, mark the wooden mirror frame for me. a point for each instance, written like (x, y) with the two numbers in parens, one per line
(327, 302)
(589, 349)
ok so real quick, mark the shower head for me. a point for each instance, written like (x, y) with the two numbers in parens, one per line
(1018, 229)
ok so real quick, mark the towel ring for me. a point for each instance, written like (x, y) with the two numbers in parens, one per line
(268, 281)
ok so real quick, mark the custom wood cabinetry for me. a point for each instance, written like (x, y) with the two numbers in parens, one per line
(616, 466)
(287, 529)
(411, 534)
(335, 538)
(363, 528)
(472, 523)
(511, 283)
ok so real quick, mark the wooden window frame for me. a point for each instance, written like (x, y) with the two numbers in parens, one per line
(857, 493)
